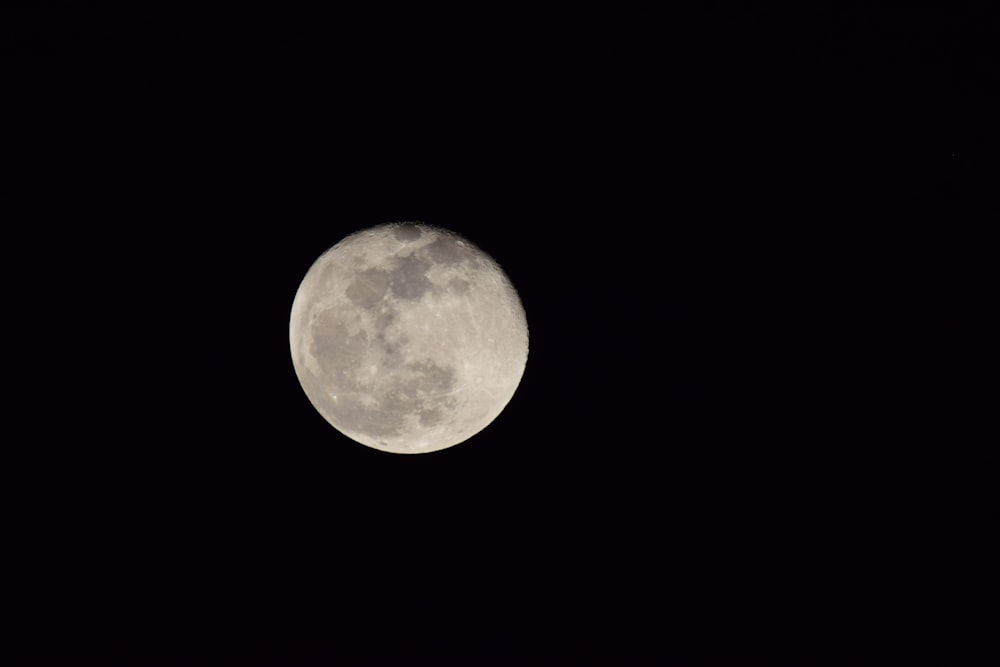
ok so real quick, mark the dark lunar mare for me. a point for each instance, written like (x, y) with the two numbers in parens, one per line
(446, 250)
(409, 279)
(368, 288)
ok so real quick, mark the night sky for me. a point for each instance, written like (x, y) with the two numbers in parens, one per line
(758, 258)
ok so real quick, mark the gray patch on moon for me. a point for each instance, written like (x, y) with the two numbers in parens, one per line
(392, 351)
(434, 380)
(430, 417)
(385, 317)
(368, 288)
(447, 250)
(337, 352)
(409, 280)
(422, 388)
(407, 232)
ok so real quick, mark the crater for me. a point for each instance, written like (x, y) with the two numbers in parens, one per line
(407, 232)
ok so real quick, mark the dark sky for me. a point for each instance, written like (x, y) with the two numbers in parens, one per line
(758, 260)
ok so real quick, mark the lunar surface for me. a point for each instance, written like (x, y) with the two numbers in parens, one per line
(408, 338)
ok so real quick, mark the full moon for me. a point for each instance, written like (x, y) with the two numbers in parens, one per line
(408, 338)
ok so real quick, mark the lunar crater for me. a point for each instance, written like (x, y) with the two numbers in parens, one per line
(406, 232)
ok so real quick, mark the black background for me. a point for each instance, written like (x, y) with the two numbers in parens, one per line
(757, 257)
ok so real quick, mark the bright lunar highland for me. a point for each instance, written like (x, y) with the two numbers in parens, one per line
(408, 338)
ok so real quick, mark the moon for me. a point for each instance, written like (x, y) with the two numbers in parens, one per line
(408, 338)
